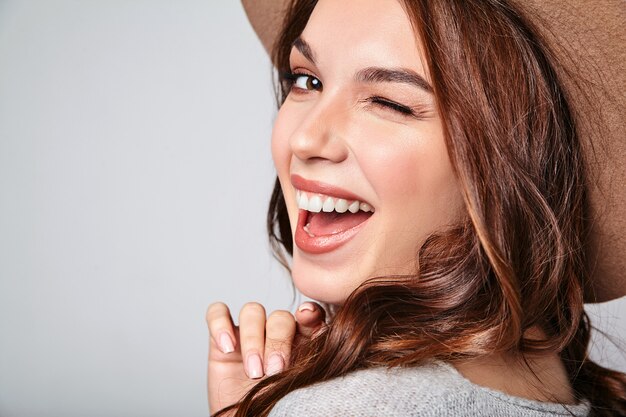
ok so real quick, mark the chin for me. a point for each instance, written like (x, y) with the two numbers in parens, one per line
(330, 287)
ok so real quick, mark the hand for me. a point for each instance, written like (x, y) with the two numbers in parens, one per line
(240, 355)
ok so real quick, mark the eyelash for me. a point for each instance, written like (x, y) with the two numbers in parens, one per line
(289, 79)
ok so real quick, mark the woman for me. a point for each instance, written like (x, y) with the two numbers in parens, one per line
(431, 173)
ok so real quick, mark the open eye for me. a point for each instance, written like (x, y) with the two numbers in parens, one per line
(301, 81)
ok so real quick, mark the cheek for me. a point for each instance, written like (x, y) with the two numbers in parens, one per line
(280, 142)
(408, 162)
(284, 126)
(414, 179)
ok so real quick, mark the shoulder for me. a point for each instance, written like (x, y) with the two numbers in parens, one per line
(369, 392)
(434, 389)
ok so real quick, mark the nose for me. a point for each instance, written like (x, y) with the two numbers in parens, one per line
(320, 134)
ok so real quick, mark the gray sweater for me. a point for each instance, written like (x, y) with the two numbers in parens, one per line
(437, 389)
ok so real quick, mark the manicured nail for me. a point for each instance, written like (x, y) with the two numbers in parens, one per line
(275, 364)
(307, 307)
(226, 343)
(255, 367)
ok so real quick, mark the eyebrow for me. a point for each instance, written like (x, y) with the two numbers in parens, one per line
(304, 48)
(393, 75)
(373, 74)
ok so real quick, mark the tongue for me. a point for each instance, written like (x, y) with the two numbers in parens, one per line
(331, 223)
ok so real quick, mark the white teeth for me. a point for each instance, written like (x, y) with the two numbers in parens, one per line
(318, 202)
(303, 202)
(354, 207)
(315, 204)
(341, 206)
(329, 205)
(365, 207)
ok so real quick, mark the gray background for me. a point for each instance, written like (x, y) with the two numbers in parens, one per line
(135, 172)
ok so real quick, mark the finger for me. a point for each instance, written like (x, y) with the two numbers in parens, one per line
(252, 338)
(221, 327)
(309, 317)
(280, 330)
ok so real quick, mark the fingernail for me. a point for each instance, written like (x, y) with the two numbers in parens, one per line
(255, 367)
(306, 306)
(226, 343)
(275, 364)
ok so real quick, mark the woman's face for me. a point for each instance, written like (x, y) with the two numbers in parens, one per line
(360, 125)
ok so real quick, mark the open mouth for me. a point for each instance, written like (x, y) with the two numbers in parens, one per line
(326, 222)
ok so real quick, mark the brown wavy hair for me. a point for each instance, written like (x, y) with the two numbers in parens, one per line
(520, 259)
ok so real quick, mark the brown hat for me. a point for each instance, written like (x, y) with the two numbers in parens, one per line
(590, 40)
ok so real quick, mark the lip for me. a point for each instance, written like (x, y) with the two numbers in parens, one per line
(323, 188)
(324, 243)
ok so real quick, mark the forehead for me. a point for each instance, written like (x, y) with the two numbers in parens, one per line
(361, 33)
